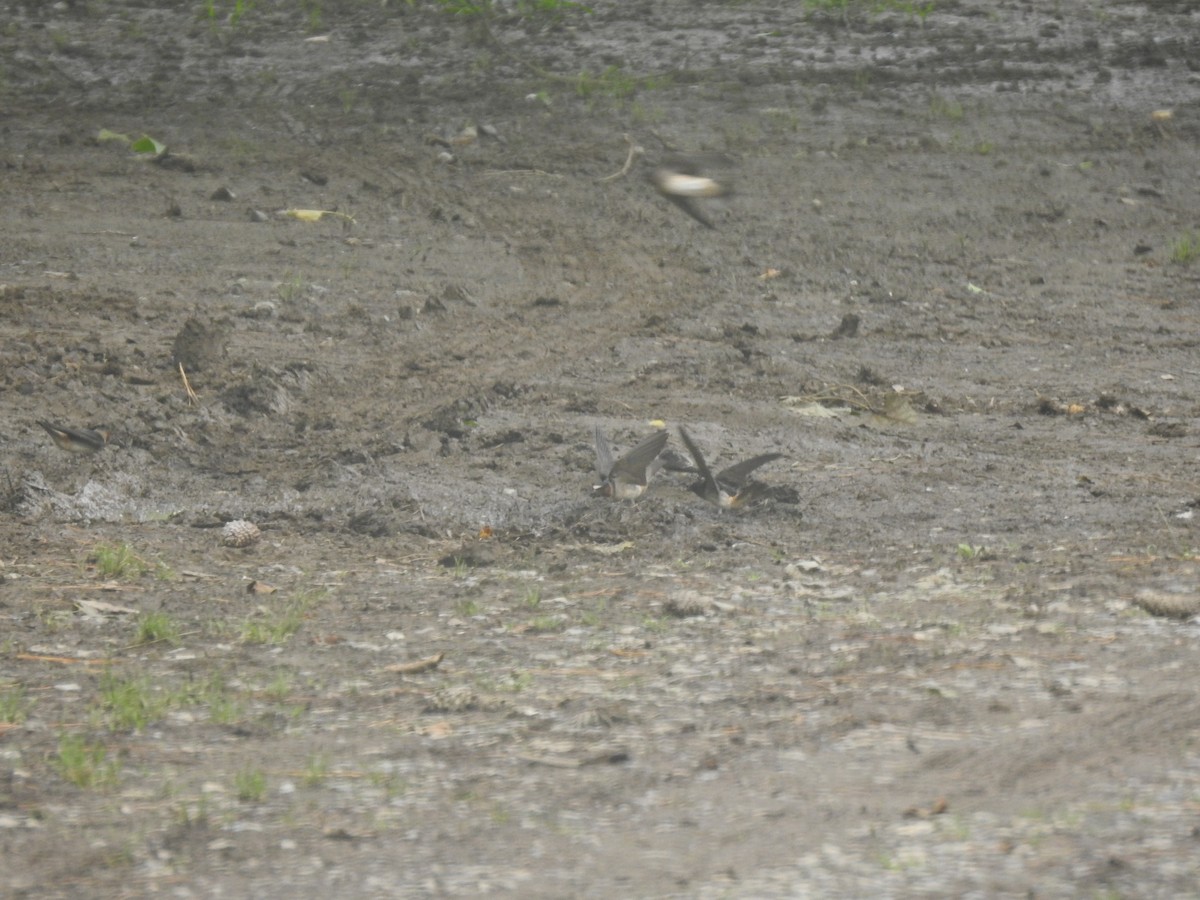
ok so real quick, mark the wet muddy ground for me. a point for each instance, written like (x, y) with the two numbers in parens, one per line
(951, 654)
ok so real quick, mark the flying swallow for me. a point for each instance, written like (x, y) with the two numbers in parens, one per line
(679, 179)
(730, 488)
(628, 477)
(75, 440)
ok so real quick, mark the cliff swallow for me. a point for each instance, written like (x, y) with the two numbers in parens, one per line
(628, 477)
(730, 488)
(679, 180)
(75, 440)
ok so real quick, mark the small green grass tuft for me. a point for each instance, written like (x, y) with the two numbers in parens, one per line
(118, 561)
(13, 704)
(280, 686)
(293, 289)
(941, 108)
(132, 703)
(616, 84)
(156, 627)
(84, 764)
(974, 552)
(1185, 249)
(250, 785)
(317, 770)
(281, 624)
(226, 710)
(232, 11)
(467, 608)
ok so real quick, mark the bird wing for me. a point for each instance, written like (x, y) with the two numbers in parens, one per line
(604, 457)
(698, 457)
(736, 475)
(633, 465)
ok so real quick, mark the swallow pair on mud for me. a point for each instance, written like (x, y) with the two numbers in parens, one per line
(79, 441)
(628, 478)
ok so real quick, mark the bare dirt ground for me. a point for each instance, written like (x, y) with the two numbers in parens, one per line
(934, 662)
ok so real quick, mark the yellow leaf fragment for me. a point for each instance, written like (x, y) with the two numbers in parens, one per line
(306, 215)
(314, 215)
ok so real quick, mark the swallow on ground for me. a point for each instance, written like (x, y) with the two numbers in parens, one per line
(75, 440)
(628, 477)
(681, 181)
(730, 488)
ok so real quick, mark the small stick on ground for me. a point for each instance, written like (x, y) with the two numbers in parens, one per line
(191, 395)
(417, 665)
(635, 150)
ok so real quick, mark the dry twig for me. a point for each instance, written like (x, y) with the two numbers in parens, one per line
(635, 150)
(187, 387)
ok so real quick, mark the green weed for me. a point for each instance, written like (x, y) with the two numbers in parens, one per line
(971, 551)
(225, 709)
(13, 704)
(132, 703)
(280, 687)
(312, 10)
(250, 785)
(118, 561)
(616, 84)
(593, 618)
(193, 817)
(293, 289)
(155, 627)
(466, 608)
(1185, 249)
(280, 624)
(941, 108)
(317, 770)
(232, 12)
(83, 764)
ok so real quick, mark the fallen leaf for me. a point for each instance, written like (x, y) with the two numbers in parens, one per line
(147, 144)
(314, 215)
